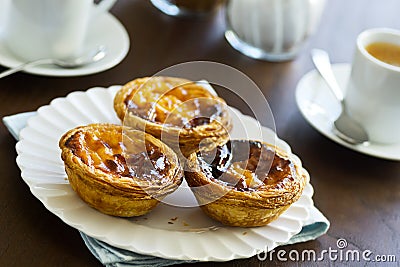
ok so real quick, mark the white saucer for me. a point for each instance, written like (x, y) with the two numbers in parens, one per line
(106, 30)
(320, 108)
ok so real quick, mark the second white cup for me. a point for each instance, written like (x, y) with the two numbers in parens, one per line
(272, 30)
(373, 91)
(50, 28)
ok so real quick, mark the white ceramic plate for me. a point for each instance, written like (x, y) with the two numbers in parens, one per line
(320, 108)
(106, 30)
(194, 235)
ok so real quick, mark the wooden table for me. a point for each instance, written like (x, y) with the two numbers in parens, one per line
(359, 194)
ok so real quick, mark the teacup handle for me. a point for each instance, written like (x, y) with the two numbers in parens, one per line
(103, 6)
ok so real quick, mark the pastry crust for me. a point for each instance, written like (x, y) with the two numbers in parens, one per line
(181, 113)
(117, 170)
(245, 188)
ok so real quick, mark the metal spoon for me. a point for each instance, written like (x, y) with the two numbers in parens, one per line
(347, 128)
(70, 63)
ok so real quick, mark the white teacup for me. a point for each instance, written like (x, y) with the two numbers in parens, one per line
(373, 91)
(50, 28)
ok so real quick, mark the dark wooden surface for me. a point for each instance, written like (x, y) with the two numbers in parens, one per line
(359, 194)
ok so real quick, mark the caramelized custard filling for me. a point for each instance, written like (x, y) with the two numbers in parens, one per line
(173, 102)
(246, 165)
(105, 150)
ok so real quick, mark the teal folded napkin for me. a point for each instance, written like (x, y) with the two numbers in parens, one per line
(110, 256)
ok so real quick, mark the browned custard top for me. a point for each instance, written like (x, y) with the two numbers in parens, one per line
(173, 101)
(246, 165)
(105, 149)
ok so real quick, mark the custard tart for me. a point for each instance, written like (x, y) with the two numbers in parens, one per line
(182, 113)
(244, 183)
(117, 170)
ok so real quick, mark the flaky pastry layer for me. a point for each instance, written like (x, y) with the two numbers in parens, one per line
(117, 170)
(233, 198)
(181, 113)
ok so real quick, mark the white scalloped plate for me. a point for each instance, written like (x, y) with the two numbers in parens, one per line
(194, 235)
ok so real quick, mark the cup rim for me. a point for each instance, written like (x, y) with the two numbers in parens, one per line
(361, 46)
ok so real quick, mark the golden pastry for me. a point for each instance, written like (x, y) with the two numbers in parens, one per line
(118, 170)
(244, 183)
(181, 113)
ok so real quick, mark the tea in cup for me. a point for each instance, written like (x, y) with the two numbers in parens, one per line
(50, 28)
(373, 91)
(386, 52)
